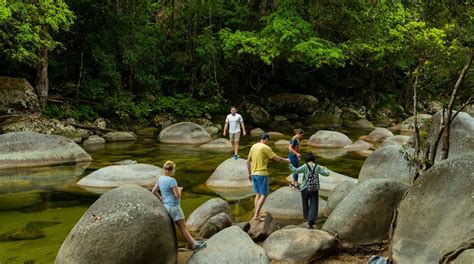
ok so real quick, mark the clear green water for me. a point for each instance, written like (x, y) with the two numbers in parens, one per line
(39, 206)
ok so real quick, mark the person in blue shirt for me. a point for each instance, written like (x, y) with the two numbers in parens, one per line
(170, 196)
(294, 155)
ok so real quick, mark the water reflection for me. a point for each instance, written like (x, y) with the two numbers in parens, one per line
(26, 179)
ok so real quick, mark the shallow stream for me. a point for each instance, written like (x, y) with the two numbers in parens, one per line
(39, 206)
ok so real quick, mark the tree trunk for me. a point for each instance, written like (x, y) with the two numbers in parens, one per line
(41, 81)
(445, 146)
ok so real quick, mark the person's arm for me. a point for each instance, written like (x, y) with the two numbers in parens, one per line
(243, 128)
(249, 167)
(303, 168)
(155, 191)
(225, 127)
(323, 170)
(280, 159)
(177, 191)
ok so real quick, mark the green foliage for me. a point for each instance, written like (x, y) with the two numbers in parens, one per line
(63, 111)
(27, 25)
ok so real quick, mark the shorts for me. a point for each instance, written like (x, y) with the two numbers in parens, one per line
(260, 184)
(234, 136)
(175, 212)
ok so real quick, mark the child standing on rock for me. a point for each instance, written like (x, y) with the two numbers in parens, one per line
(171, 196)
(310, 188)
(294, 155)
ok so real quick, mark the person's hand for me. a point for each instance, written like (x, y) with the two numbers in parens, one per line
(244, 133)
(250, 177)
(180, 188)
(223, 133)
(298, 155)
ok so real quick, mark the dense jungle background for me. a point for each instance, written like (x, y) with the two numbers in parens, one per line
(136, 58)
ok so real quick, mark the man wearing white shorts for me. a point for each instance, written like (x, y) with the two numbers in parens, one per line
(234, 122)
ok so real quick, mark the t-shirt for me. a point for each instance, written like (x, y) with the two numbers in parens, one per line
(295, 144)
(234, 122)
(166, 184)
(260, 154)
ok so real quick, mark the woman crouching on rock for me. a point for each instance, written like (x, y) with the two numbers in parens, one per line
(171, 196)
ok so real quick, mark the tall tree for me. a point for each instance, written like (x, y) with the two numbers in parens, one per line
(26, 29)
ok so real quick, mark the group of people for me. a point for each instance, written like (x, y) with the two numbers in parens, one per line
(257, 162)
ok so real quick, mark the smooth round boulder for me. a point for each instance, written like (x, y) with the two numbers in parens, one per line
(119, 175)
(230, 174)
(409, 123)
(364, 216)
(201, 215)
(465, 257)
(337, 195)
(435, 217)
(329, 139)
(220, 144)
(379, 134)
(282, 143)
(31, 149)
(94, 140)
(231, 245)
(359, 145)
(184, 133)
(299, 245)
(387, 163)
(461, 135)
(215, 224)
(325, 118)
(256, 132)
(395, 140)
(275, 135)
(120, 136)
(125, 225)
(285, 203)
(259, 230)
(361, 123)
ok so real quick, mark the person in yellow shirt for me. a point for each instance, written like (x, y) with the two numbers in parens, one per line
(257, 162)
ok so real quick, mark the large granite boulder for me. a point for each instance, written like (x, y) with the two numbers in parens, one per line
(361, 123)
(364, 216)
(94, 140)
(260, 230)
(43, 125)
(30, 149)
(387, 163)
(461, 136)
(125, 225)
(359, 145)
(286, 102)
(119, 175)
(379, 134)
(256, 132)
(325, 118)
(299, 245)
(17, 97)
(285, 203)
(254, 114)
(337, 195)
(395, 140)
(329, 139)
(215, 224)
(203, 213)
(230, 173)
(435, 217)
(184, 133)
(409, 123)
(465, 257)
(231, 245)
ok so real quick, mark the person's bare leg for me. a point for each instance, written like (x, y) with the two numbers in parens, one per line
(255, 204)
(233, 145)
(259, 205)
(236, 148)
(184, 231)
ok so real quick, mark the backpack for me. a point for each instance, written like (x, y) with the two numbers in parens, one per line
(313, 180)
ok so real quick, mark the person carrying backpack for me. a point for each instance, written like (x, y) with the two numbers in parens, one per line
(310, 188)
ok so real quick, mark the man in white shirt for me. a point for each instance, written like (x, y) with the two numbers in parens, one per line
(234, 121)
